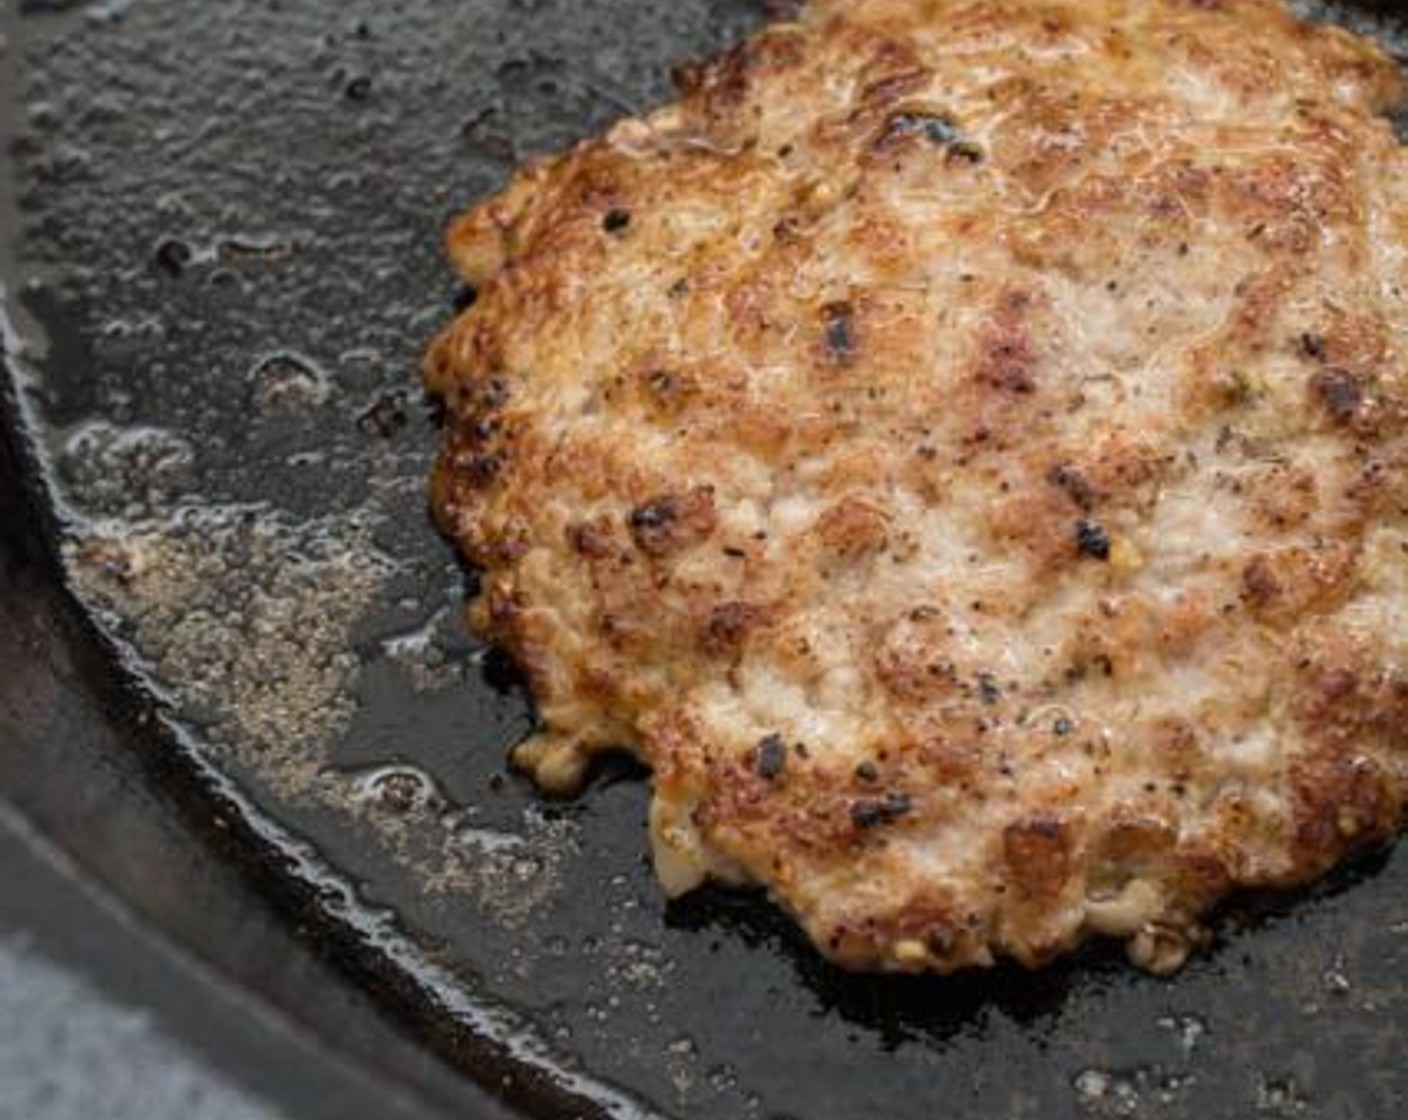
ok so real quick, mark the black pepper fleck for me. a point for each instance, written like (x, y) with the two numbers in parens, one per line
(653, 517)
(1339, 393)
(482, 470)
(840, 337)
(1312, 345)
(770, 756)
(1092, 540)
(661, 381)
(1074, 485)
(872, 812)
(616, 220)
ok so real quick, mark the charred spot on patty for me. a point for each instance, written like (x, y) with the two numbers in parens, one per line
(670, 523)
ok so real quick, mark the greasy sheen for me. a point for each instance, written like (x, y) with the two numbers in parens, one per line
(962, 448)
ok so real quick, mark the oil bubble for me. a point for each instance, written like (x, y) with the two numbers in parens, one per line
(396, 788)
(1335, 979)
(111, 470)
(385, 416)
(1188, 1030)
(1279, 1096)
(285, 382)
(1106, 1094)
(172, 256)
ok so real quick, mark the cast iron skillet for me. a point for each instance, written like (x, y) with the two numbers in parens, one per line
(221, 261)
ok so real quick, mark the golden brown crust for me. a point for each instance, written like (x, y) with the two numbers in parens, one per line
(963, 449)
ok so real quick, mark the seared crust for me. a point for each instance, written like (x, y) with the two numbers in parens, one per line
(961, 448)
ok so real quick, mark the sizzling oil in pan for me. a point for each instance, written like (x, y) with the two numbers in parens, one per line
(225, 263)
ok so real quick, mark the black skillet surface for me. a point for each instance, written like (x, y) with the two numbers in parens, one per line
(222, 262)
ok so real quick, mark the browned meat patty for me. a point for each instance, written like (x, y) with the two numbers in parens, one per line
(962, 448)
